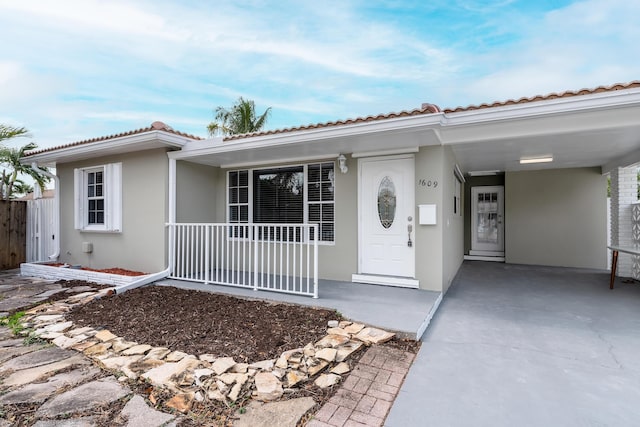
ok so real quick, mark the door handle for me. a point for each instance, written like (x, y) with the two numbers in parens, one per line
(409, 230)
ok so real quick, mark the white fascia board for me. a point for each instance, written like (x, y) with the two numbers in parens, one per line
(163, 138)
(404, 124)
(615, 99)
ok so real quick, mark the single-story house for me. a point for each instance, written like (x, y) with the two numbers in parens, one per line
(397, 199)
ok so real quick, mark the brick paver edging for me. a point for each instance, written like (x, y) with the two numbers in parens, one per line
(366, 396)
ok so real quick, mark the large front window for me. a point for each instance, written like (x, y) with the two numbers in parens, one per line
(284, 195)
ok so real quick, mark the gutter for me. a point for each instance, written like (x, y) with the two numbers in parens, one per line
(56, 203)
(172, 218)
(143, 281)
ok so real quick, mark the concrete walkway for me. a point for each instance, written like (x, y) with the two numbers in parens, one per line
(371, 304)
(516, 345)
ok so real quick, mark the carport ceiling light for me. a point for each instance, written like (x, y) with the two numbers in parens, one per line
(530, 160)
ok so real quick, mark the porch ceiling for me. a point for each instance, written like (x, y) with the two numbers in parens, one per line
(606, 139)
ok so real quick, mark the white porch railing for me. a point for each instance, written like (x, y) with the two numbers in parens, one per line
(273, 257)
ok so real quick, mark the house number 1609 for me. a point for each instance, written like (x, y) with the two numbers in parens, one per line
(427, 183)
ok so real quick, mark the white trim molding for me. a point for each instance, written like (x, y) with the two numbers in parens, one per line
(401, 282)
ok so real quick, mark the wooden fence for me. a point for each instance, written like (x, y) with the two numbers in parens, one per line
(13, 233)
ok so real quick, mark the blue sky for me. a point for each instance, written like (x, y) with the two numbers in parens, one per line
(77, 69)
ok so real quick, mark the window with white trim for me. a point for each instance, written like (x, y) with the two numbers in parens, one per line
(284, 195)
(98, 198)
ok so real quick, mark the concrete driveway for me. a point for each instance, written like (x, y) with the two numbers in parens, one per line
(515, 345)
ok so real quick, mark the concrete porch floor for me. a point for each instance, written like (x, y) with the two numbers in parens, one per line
(515, 345)
(397, 309)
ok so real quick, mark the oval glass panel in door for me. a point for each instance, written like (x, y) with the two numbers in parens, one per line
(386, 202)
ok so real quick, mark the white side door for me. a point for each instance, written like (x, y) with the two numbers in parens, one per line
(487, 221)
(386, 195)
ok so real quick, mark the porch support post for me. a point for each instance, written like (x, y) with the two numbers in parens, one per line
(172, 213)
(624, 187)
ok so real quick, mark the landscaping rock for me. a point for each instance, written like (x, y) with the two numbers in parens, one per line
(119, 344)
(338, 331)
(374, 336)
(235, 392)
(263, 365)
(328, 354)
(97, 349)
(332, 341)
(333, 323)
(65, 342)
(327, 380)
(181, 402)
(104, 335)
(341, 368)
(207, 358)
(315, 366)
(354, 328)
(175, 356)
(346, 350)
(137, 349)
(160, 376)
(158, 353)
(268, 387)
(122, 364)
(295, 377)
(222, 365)
(239, 368)
(139, 414)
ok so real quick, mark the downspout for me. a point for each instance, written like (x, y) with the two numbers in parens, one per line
(56, 207)
(172, 218)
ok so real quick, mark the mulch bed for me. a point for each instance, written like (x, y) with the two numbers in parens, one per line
(201, 322)
(198, 322)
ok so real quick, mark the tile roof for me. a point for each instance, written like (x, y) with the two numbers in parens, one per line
(566, 94)
(431, 108)
(154, 126)
(424, 110)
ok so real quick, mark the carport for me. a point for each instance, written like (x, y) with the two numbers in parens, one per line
(515, 345)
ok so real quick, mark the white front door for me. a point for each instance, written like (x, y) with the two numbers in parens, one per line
(487, 221)
(387, 212)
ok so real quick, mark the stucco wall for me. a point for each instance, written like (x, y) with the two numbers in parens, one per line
(141, 244)
(197, 193)
(429, 238)
(453, 223)
(556, 217)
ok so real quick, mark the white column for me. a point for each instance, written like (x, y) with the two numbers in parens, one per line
(624, 193)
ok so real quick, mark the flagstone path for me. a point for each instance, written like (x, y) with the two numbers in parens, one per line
(63, 386)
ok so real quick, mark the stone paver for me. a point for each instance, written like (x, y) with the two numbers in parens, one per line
(286, 413)
(365, 397)
(37, 358)
(85, 397)
(38, 392)
(26, 376)
(139, 414)
(74, 422)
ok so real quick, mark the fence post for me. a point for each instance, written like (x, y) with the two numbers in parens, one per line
(315, 260)
(255, 256)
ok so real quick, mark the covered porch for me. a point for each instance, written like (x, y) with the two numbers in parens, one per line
(374, 305)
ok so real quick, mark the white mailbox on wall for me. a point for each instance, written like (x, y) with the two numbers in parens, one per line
(427, 214)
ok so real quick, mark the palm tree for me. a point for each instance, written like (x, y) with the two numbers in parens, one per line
(12, 168)
(8, 132)
(241, 118)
